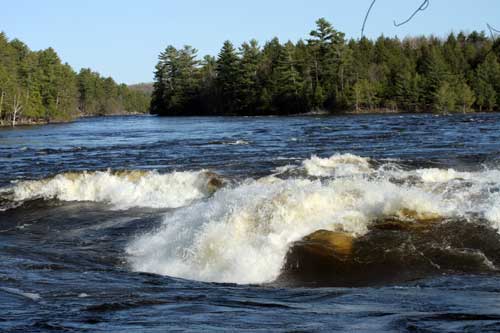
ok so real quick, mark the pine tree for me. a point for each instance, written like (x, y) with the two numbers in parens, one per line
(249, 89)
(326, 46)
(158, 103)
(266, 75)
(434, 70)
(184, 96)
(487, 83)
(288, 97)
(208, 92)
(164, 81)
(228, 80)
(407, 90)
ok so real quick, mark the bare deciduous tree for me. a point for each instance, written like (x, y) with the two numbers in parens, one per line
(422, 7)
(2, 96)
(17, 108)
(492, 30)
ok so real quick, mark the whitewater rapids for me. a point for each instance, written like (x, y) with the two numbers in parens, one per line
(119, 189)
(240, 233)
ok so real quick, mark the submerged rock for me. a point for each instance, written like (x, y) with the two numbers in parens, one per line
(214, 182)
(339, 243)
(393, 251)
(408, 220)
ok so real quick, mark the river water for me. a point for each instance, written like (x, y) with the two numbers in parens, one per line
(149, 224)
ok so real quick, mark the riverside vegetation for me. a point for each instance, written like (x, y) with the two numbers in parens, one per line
(326, 72)
(36, 87)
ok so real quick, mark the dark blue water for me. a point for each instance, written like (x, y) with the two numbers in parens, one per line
(64, 264)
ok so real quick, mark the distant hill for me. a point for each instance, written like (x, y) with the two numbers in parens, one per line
(146, 88)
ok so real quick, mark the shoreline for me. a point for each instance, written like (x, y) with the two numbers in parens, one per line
(375, 111)
(29, 122)
(333, 113)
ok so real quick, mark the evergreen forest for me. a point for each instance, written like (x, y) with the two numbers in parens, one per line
(36, 87)
(328, 73)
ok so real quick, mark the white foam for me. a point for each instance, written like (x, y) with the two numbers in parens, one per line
(32, 296)
(239, 142)
(492, 210)
(121, 189)
(284, 169)
(435, 175)
(336, 165)
(242, 234)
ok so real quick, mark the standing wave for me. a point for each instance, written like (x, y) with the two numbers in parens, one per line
(242, 234)
(120, 189)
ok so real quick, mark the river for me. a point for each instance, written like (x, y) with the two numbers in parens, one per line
(148, 224)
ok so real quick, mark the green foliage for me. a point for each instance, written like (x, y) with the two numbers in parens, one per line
(249, 92)
(445, 98)
(99, 96)
(365, 94)
(37, 86)
(288, 96)
(325, 72)
(486, 83)
(228, 80)
(325, 47)
(465, 97)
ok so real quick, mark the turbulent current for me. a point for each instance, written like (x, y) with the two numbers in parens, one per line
(358, 223)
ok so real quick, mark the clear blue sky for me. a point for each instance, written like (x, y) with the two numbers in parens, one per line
(122, 38)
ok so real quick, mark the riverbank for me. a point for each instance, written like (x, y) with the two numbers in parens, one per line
(399, 111)
(37, 122)
(374, 111)
(381, 111)
(31, 122)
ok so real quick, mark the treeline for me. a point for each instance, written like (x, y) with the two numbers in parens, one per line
(327, 72)
(146, 88)
(35, 86)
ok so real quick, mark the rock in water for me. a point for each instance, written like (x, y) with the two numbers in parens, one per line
(408, 220)
(340, 243)
(393, 251)
(214, 182)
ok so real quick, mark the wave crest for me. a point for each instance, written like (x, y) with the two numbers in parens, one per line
(242, 234)
(337, 165)
(121, 189)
